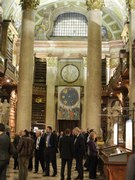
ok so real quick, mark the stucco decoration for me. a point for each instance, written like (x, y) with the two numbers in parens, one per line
(94, 4)
(29, 4)
(130, 4)
(114, 14)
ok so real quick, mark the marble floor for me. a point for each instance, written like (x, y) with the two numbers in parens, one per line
(13, 174)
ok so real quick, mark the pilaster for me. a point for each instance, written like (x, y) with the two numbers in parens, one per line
(51, 100)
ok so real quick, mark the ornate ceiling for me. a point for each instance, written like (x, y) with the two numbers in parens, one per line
(114, 14)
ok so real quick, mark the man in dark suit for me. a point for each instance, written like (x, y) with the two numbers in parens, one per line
(4, 151)
(66, 147)
(50, 140)
(39, 152)
(79, 151)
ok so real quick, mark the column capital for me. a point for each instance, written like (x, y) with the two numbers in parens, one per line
(29, 4)
(130, 4)
(94, 4)
(85, 61)
(52, 61)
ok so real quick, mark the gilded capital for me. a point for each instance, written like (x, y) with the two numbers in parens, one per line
(94, 4)
(130, 4)
(52, 61)
(29, 4)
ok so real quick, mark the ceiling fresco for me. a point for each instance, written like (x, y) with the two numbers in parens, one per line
(114, 14)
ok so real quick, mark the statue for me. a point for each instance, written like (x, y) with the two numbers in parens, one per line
(115, 116)
(5, 112)
(116, 110)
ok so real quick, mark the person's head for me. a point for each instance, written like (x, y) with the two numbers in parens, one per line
(88, 130)
(2, 127)
(26, 133)
(67, 132)
(62, 133)
(91, 130)
(76, 131)
(93, 135)
(20, 133)
(48, 129)
(38, 133)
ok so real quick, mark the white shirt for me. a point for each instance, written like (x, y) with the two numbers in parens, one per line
(37, 142)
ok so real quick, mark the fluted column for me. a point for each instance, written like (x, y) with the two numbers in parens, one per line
(26, 65)
(93, 106)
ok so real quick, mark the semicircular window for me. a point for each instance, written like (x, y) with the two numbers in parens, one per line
(70, 24)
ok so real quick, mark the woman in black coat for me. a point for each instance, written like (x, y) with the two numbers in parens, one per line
(93, 155)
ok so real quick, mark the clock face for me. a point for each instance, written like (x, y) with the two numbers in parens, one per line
(70, 73)
(69, 96)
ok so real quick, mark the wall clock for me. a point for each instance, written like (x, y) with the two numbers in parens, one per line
(70, 73)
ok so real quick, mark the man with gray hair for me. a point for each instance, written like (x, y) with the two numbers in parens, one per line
(39, 151)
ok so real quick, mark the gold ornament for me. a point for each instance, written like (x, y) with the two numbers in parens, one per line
(29, 4)
(94, 4)
(130, 4)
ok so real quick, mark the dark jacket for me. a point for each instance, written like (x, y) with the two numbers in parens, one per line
(41, 144)
(79, 146)
(66, 147)
(4, 146)
(25, 147)
(53, 141)
(92, 148)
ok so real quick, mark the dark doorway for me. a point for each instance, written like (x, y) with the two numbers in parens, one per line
(70, 124)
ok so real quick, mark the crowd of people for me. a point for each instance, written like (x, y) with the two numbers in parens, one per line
(44, 146)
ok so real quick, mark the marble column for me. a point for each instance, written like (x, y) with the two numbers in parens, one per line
(26, 65)
(93, 104)
(1, 12)
(131, 6)
(84, 99)
(50, 100)
(131, 64)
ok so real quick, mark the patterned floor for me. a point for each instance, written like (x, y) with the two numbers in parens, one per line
(13, 174)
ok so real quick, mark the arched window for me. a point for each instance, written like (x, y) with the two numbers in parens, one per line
(70, 24)
(73, 25)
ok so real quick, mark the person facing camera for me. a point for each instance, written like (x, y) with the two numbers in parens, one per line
(50, 141)
(4, 151)
(39, 152)
(93, 155)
